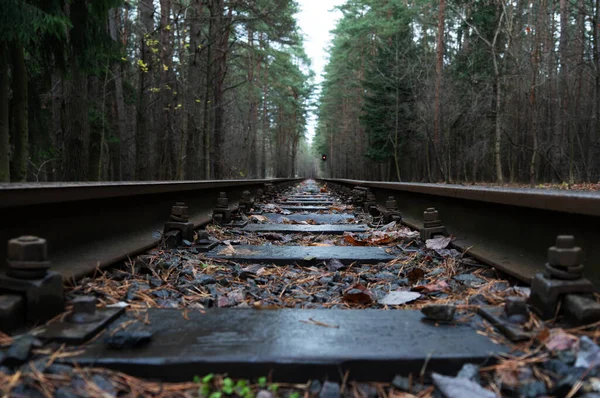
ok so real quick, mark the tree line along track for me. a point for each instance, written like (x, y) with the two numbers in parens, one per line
(323, 282)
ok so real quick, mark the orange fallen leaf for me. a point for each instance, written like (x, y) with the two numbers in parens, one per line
(432, 287)
(358, 295)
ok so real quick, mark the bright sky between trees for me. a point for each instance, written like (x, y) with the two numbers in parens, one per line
(316, 20)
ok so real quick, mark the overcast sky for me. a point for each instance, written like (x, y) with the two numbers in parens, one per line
(316, 20)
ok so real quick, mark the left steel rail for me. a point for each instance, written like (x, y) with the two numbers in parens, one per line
(90, 226)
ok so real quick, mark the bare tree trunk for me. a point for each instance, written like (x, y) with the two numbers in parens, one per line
(123, 165)
(265, 116)
(533, 124)
(4, 131)
(437, 117)
(144, 118)
(252, 107)
(561, 132)
(20, 114)
(221, 40)
(593, 147)
(165, 148)
(193, 142)
(77, 129)
(96, 135)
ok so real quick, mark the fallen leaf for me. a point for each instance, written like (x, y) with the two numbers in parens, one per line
(432, 287)
(349, 237)
(557, 339)
(334, 264)
(272, 236)
(441, 242)
(358, 294)
(415, 275)
(227, 251)
(258, 218)
(458, 387)
(514, 377)
(399, 298)
(388, 227)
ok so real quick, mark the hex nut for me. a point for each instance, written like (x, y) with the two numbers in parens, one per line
(179, 210)
(431, 214)
(565, 257)
(565, 241)
(27, 248)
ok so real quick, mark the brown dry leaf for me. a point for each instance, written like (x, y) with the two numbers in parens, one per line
(358, 295)
(509, 377)
(415, 275)
(227, 251)
(432, 287)
(320, 244)
(557, 339)
(298, 222)
(312, 222)
(258, 218)
(349, 237)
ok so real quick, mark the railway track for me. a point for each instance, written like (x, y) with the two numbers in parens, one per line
(304, 281)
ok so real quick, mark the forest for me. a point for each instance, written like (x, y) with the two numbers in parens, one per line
(151, 90)
(415, 90)
(463, 91)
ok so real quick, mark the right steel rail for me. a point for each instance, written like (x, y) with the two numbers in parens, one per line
(508, 228)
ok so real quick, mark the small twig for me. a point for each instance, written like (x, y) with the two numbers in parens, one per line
(311, 321)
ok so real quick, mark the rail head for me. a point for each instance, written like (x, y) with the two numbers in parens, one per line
(23, 194)
(575, 202)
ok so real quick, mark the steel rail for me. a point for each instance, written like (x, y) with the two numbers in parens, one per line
(508, 228)
(91, 226)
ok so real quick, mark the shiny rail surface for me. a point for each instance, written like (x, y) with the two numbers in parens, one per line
(89, 226)
(508, 228)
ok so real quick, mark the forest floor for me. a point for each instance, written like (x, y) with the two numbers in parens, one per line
(554, 362)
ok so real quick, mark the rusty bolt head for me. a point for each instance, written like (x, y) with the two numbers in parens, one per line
(565, 253)
(27, 248)
(84, 305)
(391, 204)
(431, 214)
(246, 194)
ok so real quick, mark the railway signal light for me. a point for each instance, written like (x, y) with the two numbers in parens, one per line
(323, 157)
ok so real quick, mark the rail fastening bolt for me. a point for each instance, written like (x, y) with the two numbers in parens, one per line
(222, 201)
(27, 248)
(565, 260)
(391, 203)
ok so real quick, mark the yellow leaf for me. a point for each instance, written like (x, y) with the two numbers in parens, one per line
(165, 67)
